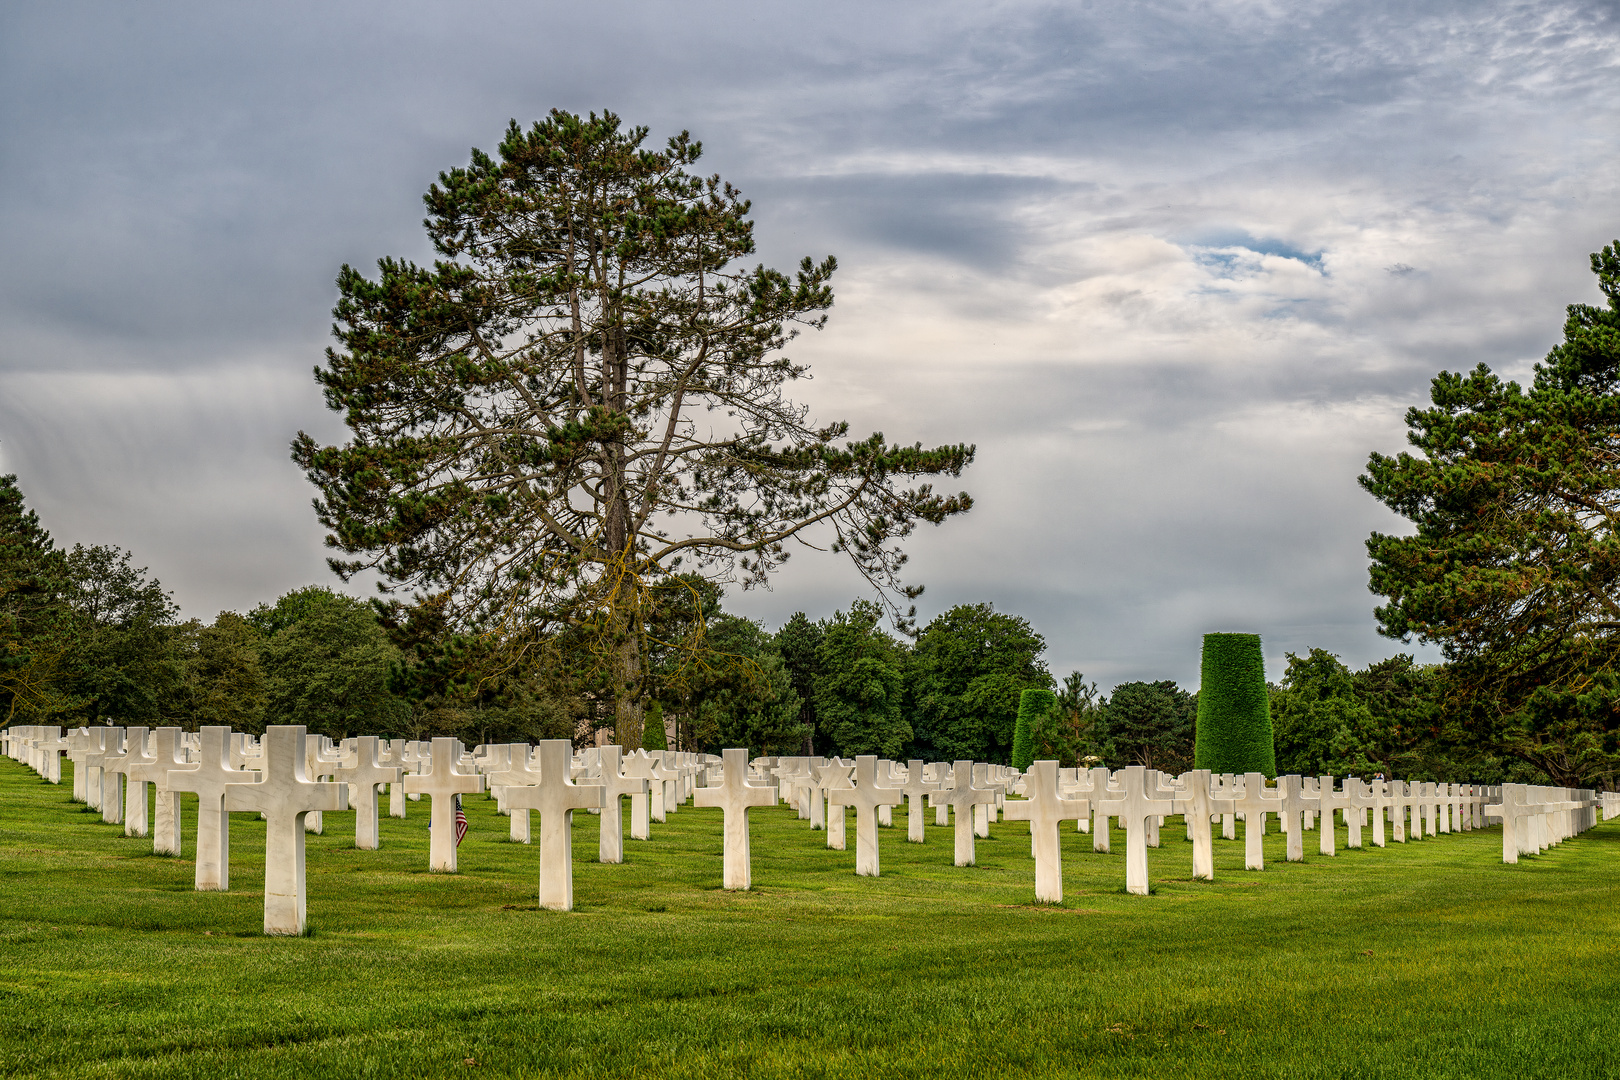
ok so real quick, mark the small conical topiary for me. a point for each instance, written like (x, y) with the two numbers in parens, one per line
(652, 728)
(1234, 708)
(1032, 705)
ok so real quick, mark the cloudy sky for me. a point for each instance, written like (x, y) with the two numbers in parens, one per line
(1175, 268)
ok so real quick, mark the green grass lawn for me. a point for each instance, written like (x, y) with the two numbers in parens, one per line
(1423, 960)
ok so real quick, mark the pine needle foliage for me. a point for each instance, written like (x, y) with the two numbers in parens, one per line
(584, 395)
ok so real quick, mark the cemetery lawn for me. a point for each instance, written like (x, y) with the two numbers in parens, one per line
(1424, 960)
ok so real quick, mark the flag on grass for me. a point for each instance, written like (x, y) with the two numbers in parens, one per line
(461, 822)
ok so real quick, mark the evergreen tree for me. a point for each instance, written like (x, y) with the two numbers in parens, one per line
(585, 395)
(1037, 710)
(1514, 564)
(797, 641)
(35, 620)
(1151, 724)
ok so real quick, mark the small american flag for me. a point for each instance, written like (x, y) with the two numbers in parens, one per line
(461, 822)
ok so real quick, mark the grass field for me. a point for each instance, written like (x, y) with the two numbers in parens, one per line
(1423, 960)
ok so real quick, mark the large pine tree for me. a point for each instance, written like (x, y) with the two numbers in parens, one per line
(584, 395)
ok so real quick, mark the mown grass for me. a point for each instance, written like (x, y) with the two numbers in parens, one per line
(1425, 960)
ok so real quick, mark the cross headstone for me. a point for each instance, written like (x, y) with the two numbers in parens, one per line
(916, 790)
(1514, 810)
(166, 757)
(1327, 801)
(962, 797)
(78, 751)
(1291, 804)
(133, 766)
(442, 782)
(556, 797)
(1045, 808)
(363, 777)
(111, 799)
(866, 796)
(615, 785)
(639, 765)
(941, 773)
(1202, 798)
(735, 796)
(392, 755)
(50, 746)
(284, 795)
(511, 766)
(984, 813)
(1136, 800)
(1254, 803)
(831, 777)
(208, 781)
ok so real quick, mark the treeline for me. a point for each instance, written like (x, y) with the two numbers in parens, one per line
(90, 638)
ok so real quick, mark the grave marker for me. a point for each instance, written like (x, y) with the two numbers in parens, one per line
(442, 782)
(866, 796)
(1045, 808)
(284, 796)
(556, 797)
(735, 796)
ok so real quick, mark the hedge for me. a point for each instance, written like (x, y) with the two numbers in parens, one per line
(1032, 705)
(1234, 708)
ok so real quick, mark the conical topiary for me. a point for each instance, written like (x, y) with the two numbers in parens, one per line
(1234, 708)
(653, 736)
(1032, 705)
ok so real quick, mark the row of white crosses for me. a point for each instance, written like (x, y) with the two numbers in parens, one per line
(215, 765)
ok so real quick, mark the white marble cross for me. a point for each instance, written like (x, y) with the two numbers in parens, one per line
(1203, 797)
(810, 784)
(50, 747)
(510, 766)
(735, 796)
(1045, 808)
(112, 778)
(1101, 831)
(639, 765)
(916, 790)
(166, 757)
(831, 777)
(363, 776)
(392, 755)
(1292, 803)
(615, 785)
(1399, 800)
(866, 796)
(134, 765)
(442, 782)
(1356, 796)
(1515, 811)
(985, 812)
(1254, 802)
(962, 797)
(284, 795)
(1328, 800)
(1136, 800)
(208, 780)
(78, 751)
(556, 797)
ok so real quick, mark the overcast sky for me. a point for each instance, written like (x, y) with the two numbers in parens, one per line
(1175, 268)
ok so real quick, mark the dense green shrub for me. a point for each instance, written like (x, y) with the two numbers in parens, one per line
(1033, 707)
(1234, 711)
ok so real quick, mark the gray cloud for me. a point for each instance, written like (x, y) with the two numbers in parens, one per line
(1147, 256)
